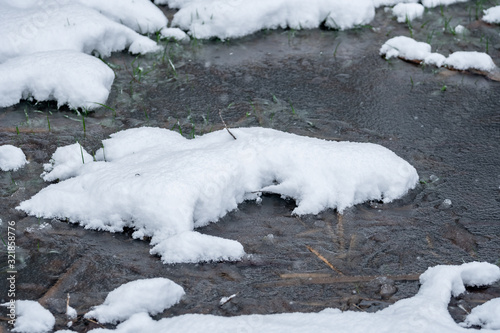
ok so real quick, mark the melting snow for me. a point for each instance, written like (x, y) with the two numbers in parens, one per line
(425, 312)
(492, 15)
(163, 185)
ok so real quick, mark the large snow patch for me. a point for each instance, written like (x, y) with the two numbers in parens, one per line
(163, 185)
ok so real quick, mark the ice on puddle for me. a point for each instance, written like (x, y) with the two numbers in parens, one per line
(164, 186)
(11, 158)
(427, 311)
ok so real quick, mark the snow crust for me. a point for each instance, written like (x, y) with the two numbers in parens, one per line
(408, 11)
(409, 49)
(486, 315)
(425, 312)
(32, 318)
(70, 77)
(492, 15)
(11, 158)
(140, 296)
(163, 185)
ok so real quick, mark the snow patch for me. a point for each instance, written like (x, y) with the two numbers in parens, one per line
(174, 33)
(425, 312)
(435, 3)
(32, 318)
(163, 185)
(140, 296)
(65, 162)
(406, 48)
(486, 315)
(492, 15)
(408, 11)
(470, 60)
(70, 77)
(11, 158)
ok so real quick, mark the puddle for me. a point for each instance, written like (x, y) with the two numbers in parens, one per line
(327, 84)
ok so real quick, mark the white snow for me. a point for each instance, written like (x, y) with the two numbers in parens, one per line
(470, 60)
(409, 49)
(425, 312)
(406, 48)
(174, 33)
(486, 315)
(408, 11)
(380, 3)
(71, 313)
(52, 26)
(140, 15)
(492, 15)
(140, 296)
(11, 158)
(41, 41)
(163, 185)
(235, 18)
(65, 162)
(70, 77)
(435, 3)
(32, 318)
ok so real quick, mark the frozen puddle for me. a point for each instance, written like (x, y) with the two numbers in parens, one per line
(164, 186)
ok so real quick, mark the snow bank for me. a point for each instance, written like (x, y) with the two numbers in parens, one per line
(492, 15)
(486, 315)
(52, 26)
(69, 77)
(236, 18)
(408, 11)
(11, 158)
(140, 15)
(425, 312)
(32, 318)
(163, 185)
(409, 49)
(141, 296)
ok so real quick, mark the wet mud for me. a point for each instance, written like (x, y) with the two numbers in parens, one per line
(321, 83)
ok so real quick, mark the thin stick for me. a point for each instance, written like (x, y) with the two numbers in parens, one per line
(324, 259)
(220, 115)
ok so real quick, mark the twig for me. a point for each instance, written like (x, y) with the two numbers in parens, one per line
(93, 321)
(220, 115)
(324, 259)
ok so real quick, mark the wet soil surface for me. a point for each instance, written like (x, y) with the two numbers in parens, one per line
(321, 83)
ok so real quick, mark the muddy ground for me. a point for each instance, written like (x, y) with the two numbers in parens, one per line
(321, 83)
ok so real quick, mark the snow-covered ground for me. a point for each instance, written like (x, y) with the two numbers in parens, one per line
(427, 311)
(102, 27)
(163, 185)
(11, 158)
